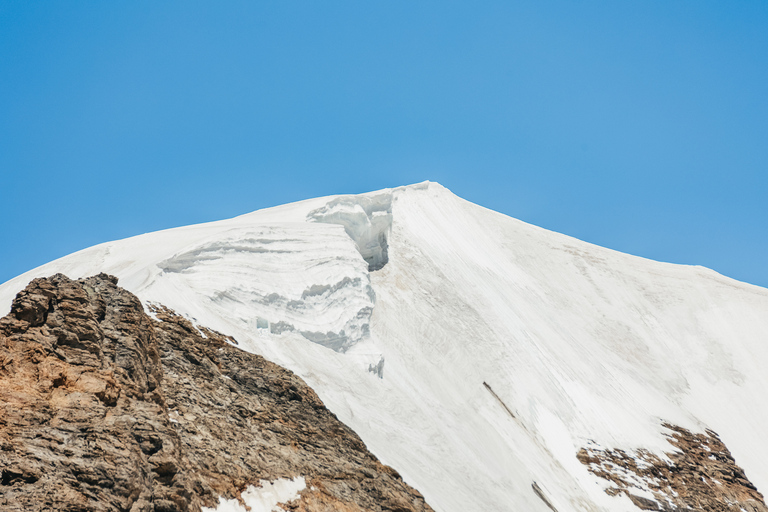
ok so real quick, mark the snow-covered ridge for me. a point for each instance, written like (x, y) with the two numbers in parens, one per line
(508, 348)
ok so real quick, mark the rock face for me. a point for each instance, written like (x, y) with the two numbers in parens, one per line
(103, 408)
(700, 475)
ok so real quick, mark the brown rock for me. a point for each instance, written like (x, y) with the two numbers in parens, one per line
(702, 476)
(103, 408)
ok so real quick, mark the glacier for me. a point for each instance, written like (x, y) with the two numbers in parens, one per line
(474, 353)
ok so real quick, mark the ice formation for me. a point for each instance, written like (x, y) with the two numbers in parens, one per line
(308, 280)
(367, 220)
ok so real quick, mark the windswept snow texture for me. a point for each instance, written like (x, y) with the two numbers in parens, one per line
(508, 348)
(305, 279)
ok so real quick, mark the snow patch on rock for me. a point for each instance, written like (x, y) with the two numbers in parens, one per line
(265, 498)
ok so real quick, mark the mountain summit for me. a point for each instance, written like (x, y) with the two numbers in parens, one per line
(494, 364)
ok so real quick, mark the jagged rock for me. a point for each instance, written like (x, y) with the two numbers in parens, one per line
(103, 408)
(700, 475)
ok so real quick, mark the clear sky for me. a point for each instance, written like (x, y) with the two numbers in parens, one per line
(640, 126)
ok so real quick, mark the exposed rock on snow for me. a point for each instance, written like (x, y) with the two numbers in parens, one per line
(103, 408)
(537, 490)
(700, 475)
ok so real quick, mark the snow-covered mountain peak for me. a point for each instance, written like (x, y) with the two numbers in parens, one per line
(475, 353)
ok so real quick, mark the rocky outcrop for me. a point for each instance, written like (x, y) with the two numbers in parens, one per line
(103, 408)
(700, 475)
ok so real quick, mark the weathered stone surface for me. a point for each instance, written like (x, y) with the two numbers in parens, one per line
(103, 408)
(701, 475)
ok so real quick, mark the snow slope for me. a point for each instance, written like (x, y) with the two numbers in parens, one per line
(472, 352)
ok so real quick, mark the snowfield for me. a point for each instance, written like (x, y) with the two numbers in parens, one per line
(474, 353)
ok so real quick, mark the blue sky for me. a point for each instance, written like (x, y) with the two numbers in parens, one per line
(640, 126)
